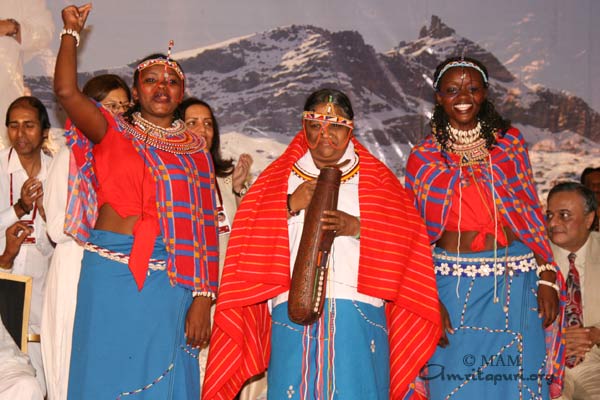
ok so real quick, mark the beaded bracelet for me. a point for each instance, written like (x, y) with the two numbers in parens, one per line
(289, 209)
(552, 285)
(70, 32)
(203, 294)
(545, 267)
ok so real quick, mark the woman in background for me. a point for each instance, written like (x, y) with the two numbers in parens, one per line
(232, 184)
(60, 297)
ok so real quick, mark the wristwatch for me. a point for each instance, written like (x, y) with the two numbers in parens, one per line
(242, 191)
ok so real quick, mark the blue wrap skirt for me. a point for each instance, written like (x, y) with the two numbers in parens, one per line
(498, 348)
(129, 343)
(344, 355)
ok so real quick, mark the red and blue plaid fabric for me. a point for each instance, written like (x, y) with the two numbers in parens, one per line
(432, 175)
(82, 206)
(185, 199)
(186, 204)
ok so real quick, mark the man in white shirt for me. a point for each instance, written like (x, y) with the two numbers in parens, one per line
(570, 213)
(23, 170)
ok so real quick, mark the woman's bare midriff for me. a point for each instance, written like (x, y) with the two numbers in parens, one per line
(110, 220)
(449, 241)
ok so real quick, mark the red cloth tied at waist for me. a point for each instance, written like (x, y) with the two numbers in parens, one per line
(468, 212)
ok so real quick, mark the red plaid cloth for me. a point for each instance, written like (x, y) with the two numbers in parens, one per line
(395, 264)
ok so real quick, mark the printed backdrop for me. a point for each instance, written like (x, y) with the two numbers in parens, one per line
(256, 61)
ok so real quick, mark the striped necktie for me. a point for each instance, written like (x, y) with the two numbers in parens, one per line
(574, 310)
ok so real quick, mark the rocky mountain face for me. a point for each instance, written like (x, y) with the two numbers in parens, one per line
(412, 62)
(258, 84)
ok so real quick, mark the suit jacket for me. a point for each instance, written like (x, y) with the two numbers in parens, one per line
(591, 282)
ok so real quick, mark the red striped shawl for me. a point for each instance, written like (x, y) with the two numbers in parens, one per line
(395, 264)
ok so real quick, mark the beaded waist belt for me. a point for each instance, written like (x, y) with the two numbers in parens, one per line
(483, 266)
(155, 265)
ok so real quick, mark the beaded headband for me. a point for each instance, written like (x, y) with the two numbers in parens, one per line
(167, 62)
(332, 119)
(330, 115)
(464, 64)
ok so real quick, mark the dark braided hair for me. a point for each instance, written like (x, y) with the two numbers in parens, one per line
(491, 121)
(136, 78)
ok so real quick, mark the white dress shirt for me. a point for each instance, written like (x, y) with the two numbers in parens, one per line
(342, 276)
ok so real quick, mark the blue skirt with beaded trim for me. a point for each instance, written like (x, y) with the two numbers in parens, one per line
(498, 348)
(344, 355)
(129, 343)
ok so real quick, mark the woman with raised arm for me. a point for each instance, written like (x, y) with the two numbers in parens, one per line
(143, 202)
(60, 296)
(472, 182)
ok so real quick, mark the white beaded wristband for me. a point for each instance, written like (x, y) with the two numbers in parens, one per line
(70, 32)
(544, 268)
(203, 294)
(552, 285)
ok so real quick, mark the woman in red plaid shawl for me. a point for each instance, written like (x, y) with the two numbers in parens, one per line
(381, 317)
(142, 200)
(472, 183)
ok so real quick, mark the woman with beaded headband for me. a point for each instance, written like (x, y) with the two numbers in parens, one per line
(143, 203)
(498, 286)
(380, 290)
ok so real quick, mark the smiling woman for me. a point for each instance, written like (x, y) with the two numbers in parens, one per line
(149, 230)
(473, 186)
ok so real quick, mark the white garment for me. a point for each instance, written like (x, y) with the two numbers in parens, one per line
(17, 376)
(37, 29)
(583, 381)
(258, 387)
(343, 272)
(58, 312)
(33, 259)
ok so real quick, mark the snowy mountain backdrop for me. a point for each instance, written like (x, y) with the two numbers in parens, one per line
(257, 85)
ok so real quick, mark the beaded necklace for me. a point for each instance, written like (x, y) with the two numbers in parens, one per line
(469, 145)
(347, 172)
(175, 139)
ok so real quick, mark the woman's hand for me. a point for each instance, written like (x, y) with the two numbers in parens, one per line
(446, 326)
(74, 17)
(300, 199)
(342, 223)
(547, 298)
(240, 172)
(197, 322)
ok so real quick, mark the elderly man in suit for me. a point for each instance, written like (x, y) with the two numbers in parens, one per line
(570, 212)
